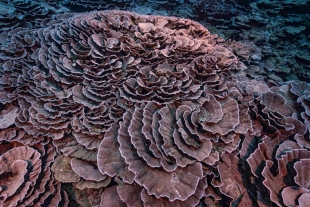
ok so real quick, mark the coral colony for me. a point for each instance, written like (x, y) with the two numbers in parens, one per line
(113, 108)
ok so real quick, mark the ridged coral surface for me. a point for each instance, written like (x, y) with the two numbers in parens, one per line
(136, 110)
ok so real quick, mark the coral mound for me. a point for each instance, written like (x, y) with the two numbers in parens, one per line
(142, 111)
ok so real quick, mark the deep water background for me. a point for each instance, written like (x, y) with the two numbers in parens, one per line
(280, 30)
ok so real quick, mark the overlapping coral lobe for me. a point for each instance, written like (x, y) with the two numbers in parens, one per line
(84, 72)
(160, 145)
(157, 104)
(26, 178)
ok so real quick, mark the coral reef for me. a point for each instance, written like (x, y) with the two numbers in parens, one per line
(266, 24)
(113, 108)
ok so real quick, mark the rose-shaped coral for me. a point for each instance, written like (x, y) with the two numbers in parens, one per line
(142, 111)
(162, 147)
(285, 189)
(26, 178)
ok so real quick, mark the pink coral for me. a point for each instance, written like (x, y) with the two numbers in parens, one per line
(25, 174)
(151, 106)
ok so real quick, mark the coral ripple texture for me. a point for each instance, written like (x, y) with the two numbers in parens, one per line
(112, 108)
